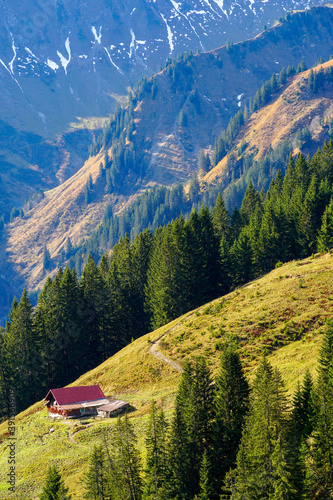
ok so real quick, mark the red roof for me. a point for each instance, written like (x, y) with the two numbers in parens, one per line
(69, 395)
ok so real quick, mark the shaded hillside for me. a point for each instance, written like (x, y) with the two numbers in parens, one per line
(74, 56)
(267, 315)
(29, 163)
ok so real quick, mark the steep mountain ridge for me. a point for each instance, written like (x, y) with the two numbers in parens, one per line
(134, 375)
(54, 53)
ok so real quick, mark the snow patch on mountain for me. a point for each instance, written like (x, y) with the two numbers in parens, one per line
(51, 64)
(170, 36)
(220, 3)
(112, 62)
(65, 62)
(98, 37)
(14, 57)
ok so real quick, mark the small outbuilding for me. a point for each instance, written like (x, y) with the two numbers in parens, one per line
(112, 408)
(71, 402)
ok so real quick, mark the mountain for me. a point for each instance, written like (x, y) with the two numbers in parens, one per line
(299, 118)
(292, 340)
(64, 213)
(30, 164)
(75, 57)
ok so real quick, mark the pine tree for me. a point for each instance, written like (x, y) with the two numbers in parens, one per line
(206, 480)
(46, 259)
(243, 258)
(325, 236)
(251, 202)
(303, 413)
(162, 297)
(69, 248)
(96, 479)
(126, 475)
(221, 218)
(282, 483)
(54, 488)
(321, 479)
(191, 430)
(24, 358)
(203, 162)
(156, 446)
(231, 406)
(258, 466)
(92, 313)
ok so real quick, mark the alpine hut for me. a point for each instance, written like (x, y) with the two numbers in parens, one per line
(70, 402)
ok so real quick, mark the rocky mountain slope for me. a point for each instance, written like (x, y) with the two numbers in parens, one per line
(73, 57)
(291, 342)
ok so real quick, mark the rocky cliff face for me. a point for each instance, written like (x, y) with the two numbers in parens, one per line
(67, 58)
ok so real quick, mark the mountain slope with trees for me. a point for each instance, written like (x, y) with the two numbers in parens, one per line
(136, 376)
(80, 321)
(93, 192)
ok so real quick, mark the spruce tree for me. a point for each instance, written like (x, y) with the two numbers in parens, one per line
(221, 218)
(206, 479)
(259, 463)
(23, 355)
(320, 481)
(156, 465)
(191, 430)
(325, 236)
(231, 406)
(91, 313)
(126, 476)
(282, 483)
(54, 488)
(96, 479)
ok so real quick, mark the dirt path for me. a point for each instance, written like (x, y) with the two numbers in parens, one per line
(153, 349)
(71, 439)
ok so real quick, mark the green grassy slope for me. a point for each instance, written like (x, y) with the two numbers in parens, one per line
(282, 314)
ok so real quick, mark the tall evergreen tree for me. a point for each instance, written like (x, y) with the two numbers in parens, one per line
(156, 446)
(206, 480)
(96, 479)
(321, 473)
(23, 353)
(126, 475)
(191, 431)
(259, 463)
(54, 488)
(91, 313)
(325, 236)
(221, 218)
(231, 406)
